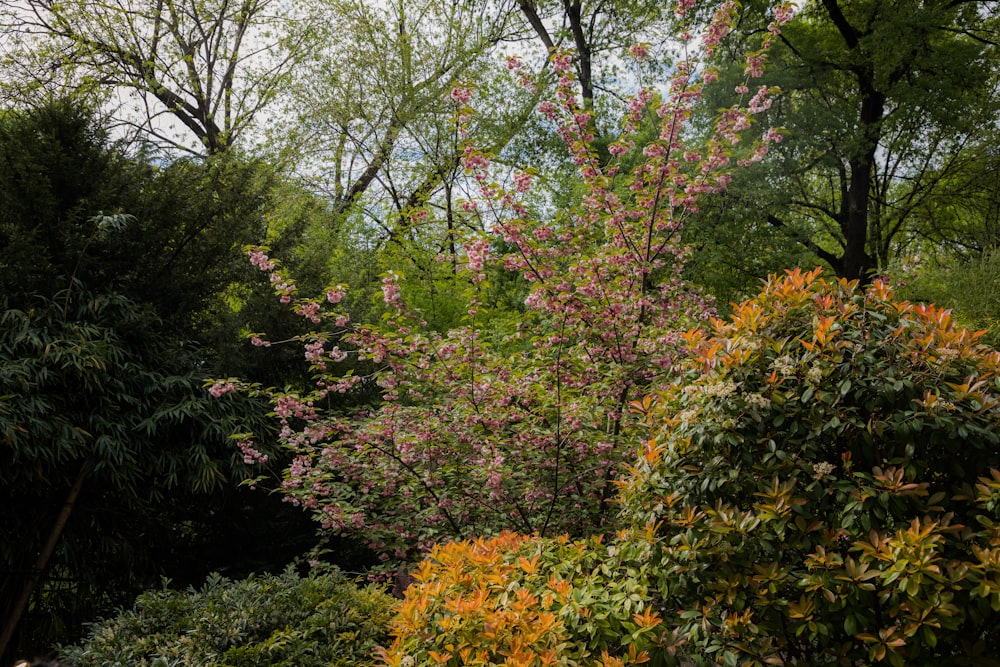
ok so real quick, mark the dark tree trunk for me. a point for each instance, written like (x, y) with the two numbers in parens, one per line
(856, 262)
(41, 564)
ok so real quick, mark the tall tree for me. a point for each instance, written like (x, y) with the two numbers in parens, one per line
(211, 65)
(376, 132)
(882, 100)
(516, 420)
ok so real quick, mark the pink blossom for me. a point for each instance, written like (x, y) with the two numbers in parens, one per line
(783, 13)
(250, 454)
(548, 109)
(522, 181)
(561, 62)
(639, 51)
(221, 388)
(461, 94)
(683, 7)
(474, 160)
(755, 65)
(619, 148)
(654, 150)
(260, 260)
(309, 310)
(477, 253)
(314, 353)
(760, 101)
(391, 291)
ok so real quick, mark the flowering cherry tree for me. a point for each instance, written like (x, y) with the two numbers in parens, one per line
(478, 433)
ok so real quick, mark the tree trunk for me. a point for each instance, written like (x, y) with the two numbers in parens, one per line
(856, 262)
(41, 563)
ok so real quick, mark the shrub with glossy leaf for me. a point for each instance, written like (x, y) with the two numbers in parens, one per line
(529, 601)
(269, 620)
(824, 488)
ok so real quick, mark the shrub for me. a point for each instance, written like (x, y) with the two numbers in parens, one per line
(824, 485)
(529, 601)
(322, 619)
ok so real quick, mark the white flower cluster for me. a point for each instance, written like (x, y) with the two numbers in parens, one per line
(823, 469)
(814, 375)
(757, 401)
(687, 416)
(720, 390)
(946, 354)
(784, 365)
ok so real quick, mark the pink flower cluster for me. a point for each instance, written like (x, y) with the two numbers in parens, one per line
(391, 292)
(639, 51)
(461, 95)
(477, 253)
(309, 310)
(251, 455)
(261, 260)
(221, 389)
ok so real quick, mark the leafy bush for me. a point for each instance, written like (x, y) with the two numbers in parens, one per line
(813, 486)
(520, 600)
(323, 619)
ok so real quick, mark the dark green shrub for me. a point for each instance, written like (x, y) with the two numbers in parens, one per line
(269, 620)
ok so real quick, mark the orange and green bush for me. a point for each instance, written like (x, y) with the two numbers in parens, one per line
(822, 488)
(824, 484)
(526, 601)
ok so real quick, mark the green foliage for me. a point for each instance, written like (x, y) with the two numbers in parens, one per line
(813, 484)
(886, 109)
(267, 620)
(56, 176)
(970, 287)
(181, 226)
(110, 267)
(307, 237)
(95, 392)
(734, 248)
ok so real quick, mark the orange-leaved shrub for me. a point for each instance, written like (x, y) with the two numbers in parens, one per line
(528, 601)
(822, 488)
(824, 485)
